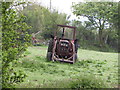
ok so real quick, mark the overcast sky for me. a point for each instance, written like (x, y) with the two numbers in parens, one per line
(64, 6)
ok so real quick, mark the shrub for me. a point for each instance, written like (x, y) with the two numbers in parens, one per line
(15, 40)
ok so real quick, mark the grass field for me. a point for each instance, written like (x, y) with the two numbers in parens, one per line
(92, 70)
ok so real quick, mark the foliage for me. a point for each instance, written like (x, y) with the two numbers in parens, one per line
(84, 32)
(102, 15)
(34, 16)
(15, 40)
(42, 19)
(88, 37)
(51, 22)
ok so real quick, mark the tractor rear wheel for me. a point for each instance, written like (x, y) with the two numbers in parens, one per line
(76, 57)
(50, 46)
(76, 47)
(49, 56)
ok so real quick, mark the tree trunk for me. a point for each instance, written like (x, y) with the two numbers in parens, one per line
(100, 37)
(106, 39)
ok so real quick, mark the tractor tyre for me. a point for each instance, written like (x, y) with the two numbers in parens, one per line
(49, 56)
(50, 46)
(76, 47)
(76, 57)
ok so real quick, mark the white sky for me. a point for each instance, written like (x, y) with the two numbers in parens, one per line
(65, 6)
(61, 5)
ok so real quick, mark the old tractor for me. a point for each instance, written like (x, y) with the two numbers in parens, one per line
(61, 48)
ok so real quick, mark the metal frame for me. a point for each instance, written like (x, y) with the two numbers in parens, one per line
(65, 26)
(54, 56)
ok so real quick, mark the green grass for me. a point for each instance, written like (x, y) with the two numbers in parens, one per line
(93, 70)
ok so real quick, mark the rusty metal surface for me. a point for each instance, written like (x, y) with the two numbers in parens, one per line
(57, 53)
(64, 49)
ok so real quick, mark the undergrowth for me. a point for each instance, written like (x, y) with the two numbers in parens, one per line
(85, 73)
(82, 81)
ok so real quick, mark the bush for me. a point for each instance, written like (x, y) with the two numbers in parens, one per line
(15, 40)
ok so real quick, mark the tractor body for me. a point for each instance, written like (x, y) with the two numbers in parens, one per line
(63, 49)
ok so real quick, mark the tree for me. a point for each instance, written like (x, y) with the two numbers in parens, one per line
(41, 19)
(84, 33)
(50, 22)
(99, 14)
(15, 40)
(34, 14)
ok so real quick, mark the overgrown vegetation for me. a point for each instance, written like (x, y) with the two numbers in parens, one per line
(97, 70)
(42, 19)
(93, 70)
(101, 29)
(99, 32)
(15, 40)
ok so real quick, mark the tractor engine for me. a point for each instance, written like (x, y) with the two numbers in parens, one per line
(64, 49)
